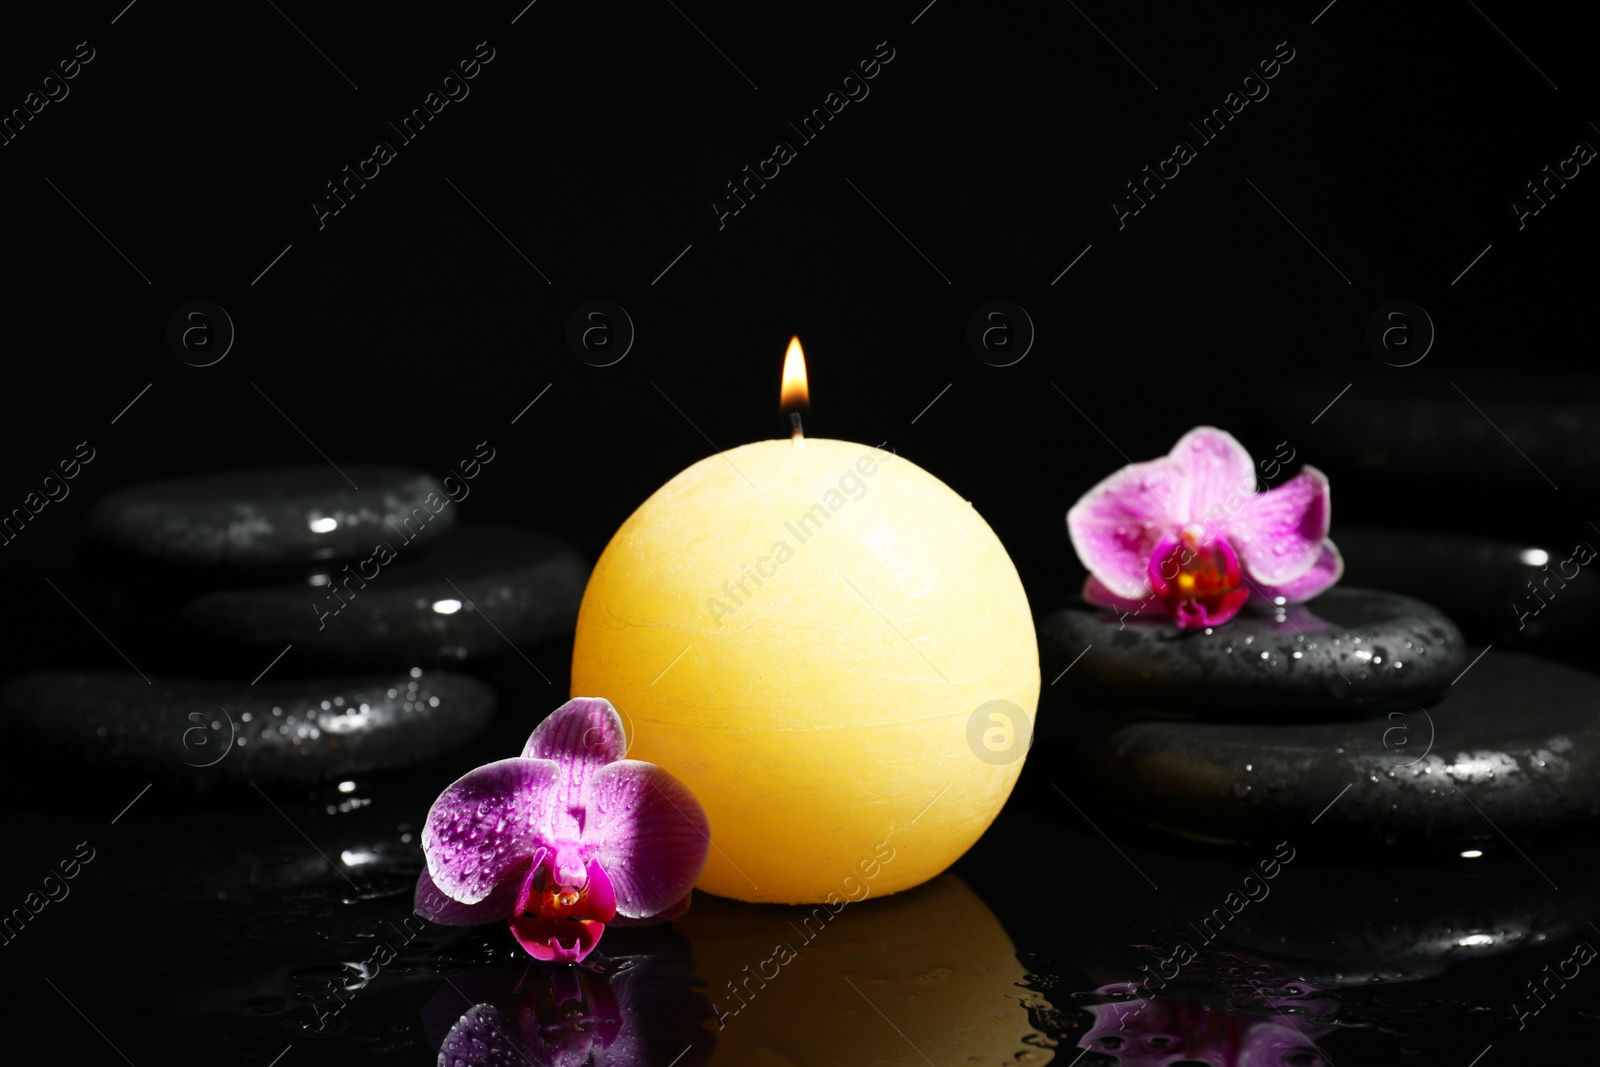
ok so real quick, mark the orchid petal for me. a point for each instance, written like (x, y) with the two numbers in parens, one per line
(1096, 593)
(582, 735)
(1279, 533)
(1115, 524)
(584, 728)
(676, 911)
(486, 824)
(437, 906)
(649, 833)
(601, 897)
(1160, 556)
(1220, 472)
(1328, 568)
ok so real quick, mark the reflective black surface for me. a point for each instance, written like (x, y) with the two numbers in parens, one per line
(188, 155)
(230, 926)
(1348, 650)
(1508, 752)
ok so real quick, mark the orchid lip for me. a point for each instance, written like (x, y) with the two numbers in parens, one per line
(559, 922)
(1199, 578)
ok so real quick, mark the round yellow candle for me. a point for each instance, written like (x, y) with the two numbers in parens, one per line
(814, 636)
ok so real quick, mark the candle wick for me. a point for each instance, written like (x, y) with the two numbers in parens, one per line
(799, 434)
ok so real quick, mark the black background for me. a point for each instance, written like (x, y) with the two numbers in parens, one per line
(407, 329)
(412, 325)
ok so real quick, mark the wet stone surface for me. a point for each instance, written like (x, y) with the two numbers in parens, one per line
(265, 929)
(272, 517)
(175, 729)
(1511, 749)
(1347, 650)
(482, 591)
(1536, 595)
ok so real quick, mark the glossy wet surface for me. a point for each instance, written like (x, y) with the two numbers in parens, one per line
(241, 926)
(1346, 650)
(1508, 751)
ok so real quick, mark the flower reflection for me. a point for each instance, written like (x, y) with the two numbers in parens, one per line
(1166, 1032)
(933, 961)
(570, 1017)
(627, 1011)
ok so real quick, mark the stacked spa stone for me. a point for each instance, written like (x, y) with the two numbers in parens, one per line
(1531, 595)
(1436, 448)
(287, 627)
(1360, 718)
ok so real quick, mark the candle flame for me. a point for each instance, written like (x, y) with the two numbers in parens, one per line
(795, 396)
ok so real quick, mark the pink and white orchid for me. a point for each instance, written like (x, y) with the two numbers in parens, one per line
(563, 839)
(1188, 535)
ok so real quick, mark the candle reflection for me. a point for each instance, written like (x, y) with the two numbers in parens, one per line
(926, 974)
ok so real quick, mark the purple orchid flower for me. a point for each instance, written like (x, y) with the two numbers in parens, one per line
(563, 839)
(1189, 535)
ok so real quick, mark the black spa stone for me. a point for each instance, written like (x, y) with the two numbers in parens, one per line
(1511, 750)
(1347, 650)
(180, 729)
(485, 589)
(1537, 595)
(272, 517)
